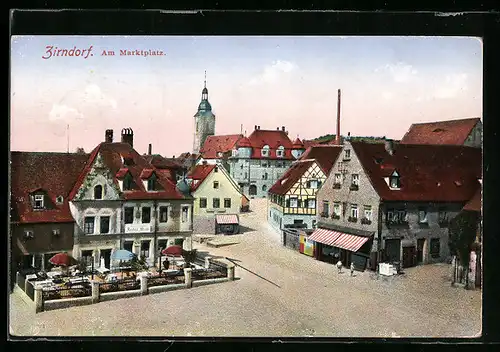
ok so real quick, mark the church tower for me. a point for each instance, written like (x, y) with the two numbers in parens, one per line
(204, 120)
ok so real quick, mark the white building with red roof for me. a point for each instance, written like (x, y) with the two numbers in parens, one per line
(122, 201)
(254, 162)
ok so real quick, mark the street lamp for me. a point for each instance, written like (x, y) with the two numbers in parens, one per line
(159, 263)
(93, 259)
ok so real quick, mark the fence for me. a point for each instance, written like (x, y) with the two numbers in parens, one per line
(119, 285)
(206, 274)
(215, 267)
(84, 290)
(164, 279)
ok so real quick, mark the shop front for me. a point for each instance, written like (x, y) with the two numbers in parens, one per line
(227, 224)
(332, 246)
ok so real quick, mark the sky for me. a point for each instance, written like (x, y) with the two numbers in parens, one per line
(387, 83)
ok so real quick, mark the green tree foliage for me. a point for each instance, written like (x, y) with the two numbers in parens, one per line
(137, 264)
(462, 232)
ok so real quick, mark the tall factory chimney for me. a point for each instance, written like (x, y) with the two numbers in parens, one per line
(337, 137)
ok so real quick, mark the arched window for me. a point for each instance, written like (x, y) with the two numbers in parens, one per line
(264, 188)
(252, 190)
(265, 151)
(280, 152)
(98, 192)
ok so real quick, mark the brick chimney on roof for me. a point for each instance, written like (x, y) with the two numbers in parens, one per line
(108, 136)
(150, 149)
(128, 136)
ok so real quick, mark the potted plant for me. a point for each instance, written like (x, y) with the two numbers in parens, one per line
(354, 187)
(336, 186)
(352, 219)
(365, 221)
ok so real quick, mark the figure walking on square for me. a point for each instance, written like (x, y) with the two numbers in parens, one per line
(339, 266)
(352, 269)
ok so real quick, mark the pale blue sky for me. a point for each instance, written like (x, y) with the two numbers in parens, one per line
(267, 81)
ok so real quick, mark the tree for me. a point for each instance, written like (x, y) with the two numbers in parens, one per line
(80, 150)
(462, 233)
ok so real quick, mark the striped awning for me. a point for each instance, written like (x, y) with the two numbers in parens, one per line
(227, 219)
(325, 236)
(350, 242)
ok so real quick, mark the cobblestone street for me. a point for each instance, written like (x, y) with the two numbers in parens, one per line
(280, 293)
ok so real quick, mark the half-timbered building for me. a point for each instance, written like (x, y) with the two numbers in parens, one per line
(292, 199)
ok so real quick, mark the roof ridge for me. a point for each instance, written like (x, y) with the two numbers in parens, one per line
(441, 121)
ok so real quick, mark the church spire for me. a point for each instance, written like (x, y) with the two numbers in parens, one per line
(204, 92)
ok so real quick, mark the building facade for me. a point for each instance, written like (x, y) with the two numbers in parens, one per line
(292, 199)
(121, 201)
(254, 162)
(398, 197)
(41, 224)
(214, 192)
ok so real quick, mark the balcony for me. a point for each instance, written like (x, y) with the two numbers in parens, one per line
(138, 228)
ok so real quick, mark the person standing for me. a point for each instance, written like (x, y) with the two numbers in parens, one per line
(339, 266)
(352, 269)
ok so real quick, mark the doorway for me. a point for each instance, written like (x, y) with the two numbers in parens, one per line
(106, 254)
(409, 256)
(420, 250)
(393, 250)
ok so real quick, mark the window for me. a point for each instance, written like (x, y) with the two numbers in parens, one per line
(396, 216)
(56, 232)
(145, 249)
(265, 176)
(355, 179)
(146, 215)
(264, 163)
(163, 214)
(368, 212)
(98, 192)
(311, 203)
(127, 183)
(38, 201)
(435, 247)
(264, 188)
(216, 169)
(104, 225)
(347, 154)
(59, 200)
(354, 211)
(394, 181)
(265, 150)
(442, 215)
(314, 224)
(88, 226)
(162, 244)
(185, 211)
(246, 175)
(293, 202)
(422, 215)
(227, 202)
(129, 215)
(252, 190)
(87, 257)
(216, 184)
(280, 152)
(313, 184)
(152, 183)
(203, 203)
(326, 208)
(216, 203)
(336, 209)
(338, 179)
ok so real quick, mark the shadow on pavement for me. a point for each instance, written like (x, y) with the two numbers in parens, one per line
(253, 273)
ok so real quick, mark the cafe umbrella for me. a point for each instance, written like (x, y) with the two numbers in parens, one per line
(62, 260)
(123, 256)
(172, 251)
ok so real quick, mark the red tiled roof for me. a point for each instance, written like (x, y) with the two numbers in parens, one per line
(146, 173)
(112, 154)
(452, 132)
(290, 177)
(219, 144)
(121, 173)
(439, 173)
(298, 144)
(325, 156)
(475, 203)
(53, 173)
(272, 138)
(244, 142)
(199, 173)
(159, 162)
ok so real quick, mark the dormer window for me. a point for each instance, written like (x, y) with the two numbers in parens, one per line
(59, 200)
(38, 201)
(127, 183)
(280, 152)
(394, 180)
(265, 151)
(98, 192)
(152, 183)
(216, 169)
